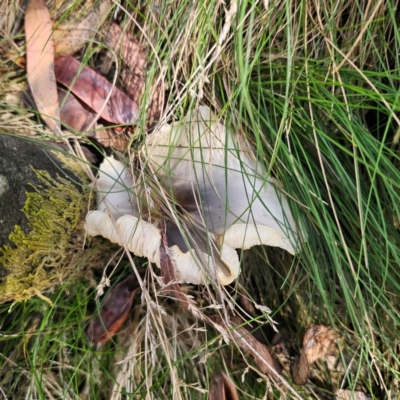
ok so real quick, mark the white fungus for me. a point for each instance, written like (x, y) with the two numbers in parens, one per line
(219, 186)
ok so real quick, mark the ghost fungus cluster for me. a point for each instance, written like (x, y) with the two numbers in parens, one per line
(218, 186)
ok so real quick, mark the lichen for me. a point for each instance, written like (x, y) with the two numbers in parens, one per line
(53, 248)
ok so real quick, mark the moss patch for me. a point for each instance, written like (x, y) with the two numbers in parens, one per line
(53, 249)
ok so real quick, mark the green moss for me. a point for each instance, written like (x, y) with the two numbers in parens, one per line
(53, 248)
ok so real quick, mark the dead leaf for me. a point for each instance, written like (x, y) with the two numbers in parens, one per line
(77, 117)
(222, 388)
(95, 91)
(134, 56)
(318, 342)
(114, 311)
(110, 138)
(300, 370)
(40, 63)
(71, 36)
(73, 114)
(342, 394)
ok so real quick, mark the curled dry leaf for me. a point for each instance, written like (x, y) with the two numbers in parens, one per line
(167, 269)
(318, 342)
(157, 104)
(222, 388)
(114, 311)
(134, 56)
(95, 91)
(39, 63)
(71, 36)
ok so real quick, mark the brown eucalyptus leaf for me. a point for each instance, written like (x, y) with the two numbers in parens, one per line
(95, 91)
(73, 114)
(40, 63)
(115, 310)
(222, 388)
(76, 116)
(134, 56)
(71, 36)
